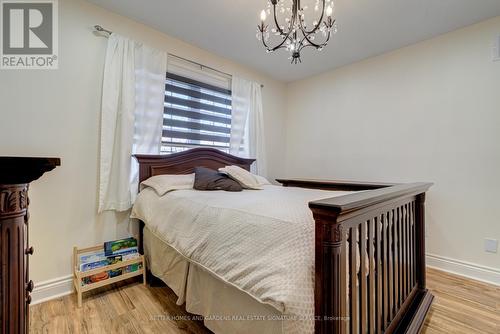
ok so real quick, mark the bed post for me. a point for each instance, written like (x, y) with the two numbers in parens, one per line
(420, 239)
(330, 273)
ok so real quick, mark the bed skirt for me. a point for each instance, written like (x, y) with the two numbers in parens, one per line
(225, 309)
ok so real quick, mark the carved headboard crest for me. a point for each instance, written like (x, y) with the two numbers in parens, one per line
(185, 162)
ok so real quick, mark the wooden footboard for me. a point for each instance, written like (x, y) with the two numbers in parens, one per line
(382, 228)
(382, 224)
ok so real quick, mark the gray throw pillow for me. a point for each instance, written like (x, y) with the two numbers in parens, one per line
(209, 179)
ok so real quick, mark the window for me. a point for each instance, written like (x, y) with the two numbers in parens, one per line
(196, 114)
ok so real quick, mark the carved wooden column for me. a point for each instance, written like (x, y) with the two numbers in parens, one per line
(330, 273)
(15, 286)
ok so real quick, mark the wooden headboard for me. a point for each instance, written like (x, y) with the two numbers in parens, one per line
(185, 162)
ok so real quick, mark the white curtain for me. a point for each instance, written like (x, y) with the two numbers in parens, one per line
(131, 117)
(247, 123)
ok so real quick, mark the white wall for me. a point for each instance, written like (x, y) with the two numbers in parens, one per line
(427, 112)
(57, 113)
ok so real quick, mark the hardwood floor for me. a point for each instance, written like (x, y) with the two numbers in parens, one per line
(460, 306)
(123, 308)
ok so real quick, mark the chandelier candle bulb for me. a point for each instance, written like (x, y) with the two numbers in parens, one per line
(329, 11)
(263, 16)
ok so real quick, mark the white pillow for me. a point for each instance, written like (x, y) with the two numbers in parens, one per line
(244, 177)
(262, 180)
(162, 184)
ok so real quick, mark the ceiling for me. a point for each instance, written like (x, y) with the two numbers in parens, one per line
(366, 28)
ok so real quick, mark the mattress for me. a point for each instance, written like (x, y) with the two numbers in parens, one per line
(260, 242)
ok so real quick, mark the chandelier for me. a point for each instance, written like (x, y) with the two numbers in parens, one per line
(290, 26)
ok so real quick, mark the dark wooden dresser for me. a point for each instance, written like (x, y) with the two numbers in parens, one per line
(15, 286)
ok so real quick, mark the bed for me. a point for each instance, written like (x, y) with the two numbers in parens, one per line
(366, 251)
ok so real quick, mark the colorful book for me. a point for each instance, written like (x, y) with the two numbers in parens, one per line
(113, 247)
(101, 263)
(126, 251)
(91, 257)
(99, 256)
(129, 256)
(111, 273)
(133, 267)
(115, 272)
(93, 265)
(95, 278)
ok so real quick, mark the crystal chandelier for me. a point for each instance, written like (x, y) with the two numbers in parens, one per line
(294, 33)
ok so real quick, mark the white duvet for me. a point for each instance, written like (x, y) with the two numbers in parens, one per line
(260, 241)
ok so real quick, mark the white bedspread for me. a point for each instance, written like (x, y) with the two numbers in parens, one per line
(260, 241)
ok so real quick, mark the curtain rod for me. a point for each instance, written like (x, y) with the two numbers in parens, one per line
(101, 29)
(201, 65)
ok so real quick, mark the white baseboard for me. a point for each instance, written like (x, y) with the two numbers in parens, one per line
(462, 268)
(52, 289)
